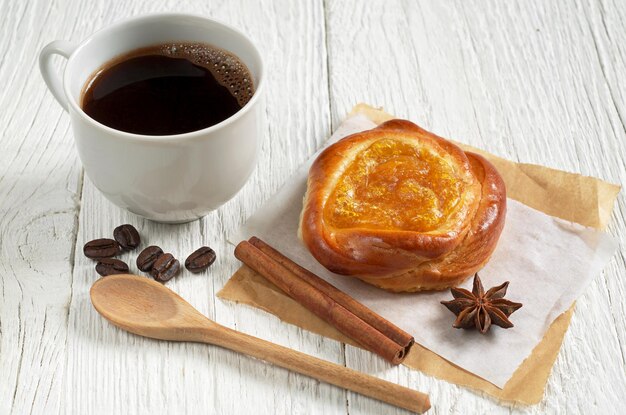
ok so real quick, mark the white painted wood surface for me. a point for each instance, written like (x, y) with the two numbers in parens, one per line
(537, 81)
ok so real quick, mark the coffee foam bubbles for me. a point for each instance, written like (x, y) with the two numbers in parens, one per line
(227, 69)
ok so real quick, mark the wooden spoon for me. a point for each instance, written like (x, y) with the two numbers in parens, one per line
(145, 307)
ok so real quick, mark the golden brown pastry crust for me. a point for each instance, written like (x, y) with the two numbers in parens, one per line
(406, 259)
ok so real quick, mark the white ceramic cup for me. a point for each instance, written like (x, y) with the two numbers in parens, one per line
(175, 178)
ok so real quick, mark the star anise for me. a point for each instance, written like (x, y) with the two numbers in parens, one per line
(481, 309)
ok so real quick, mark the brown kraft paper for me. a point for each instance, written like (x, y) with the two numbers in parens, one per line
(585, 200)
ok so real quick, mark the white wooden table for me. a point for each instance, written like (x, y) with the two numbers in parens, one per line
(538, 81)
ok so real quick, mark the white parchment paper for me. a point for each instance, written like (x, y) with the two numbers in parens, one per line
(548, 261)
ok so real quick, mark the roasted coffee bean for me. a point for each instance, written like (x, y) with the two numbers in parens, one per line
(127, 236)
(101, 248)
(165, 268)
(148, 257)
(110, 266)
(200, 260)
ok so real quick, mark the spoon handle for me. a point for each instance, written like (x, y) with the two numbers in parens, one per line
(317, 368)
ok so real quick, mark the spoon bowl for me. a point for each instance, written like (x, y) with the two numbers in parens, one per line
(137, 300)
(145, 307)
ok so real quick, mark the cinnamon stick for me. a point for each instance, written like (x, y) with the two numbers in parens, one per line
(351, 318)
(381, 324)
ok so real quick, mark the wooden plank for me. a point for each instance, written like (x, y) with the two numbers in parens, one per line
(536, 81)
(40, 182)
(112, 372)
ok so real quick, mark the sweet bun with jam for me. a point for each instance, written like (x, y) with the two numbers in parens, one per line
(402, 209)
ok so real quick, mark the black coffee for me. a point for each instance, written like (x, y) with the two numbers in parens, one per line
(168, 89)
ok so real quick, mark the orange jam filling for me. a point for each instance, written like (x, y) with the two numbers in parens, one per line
(394, 185)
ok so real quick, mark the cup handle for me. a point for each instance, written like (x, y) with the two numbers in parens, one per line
(53, 80)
